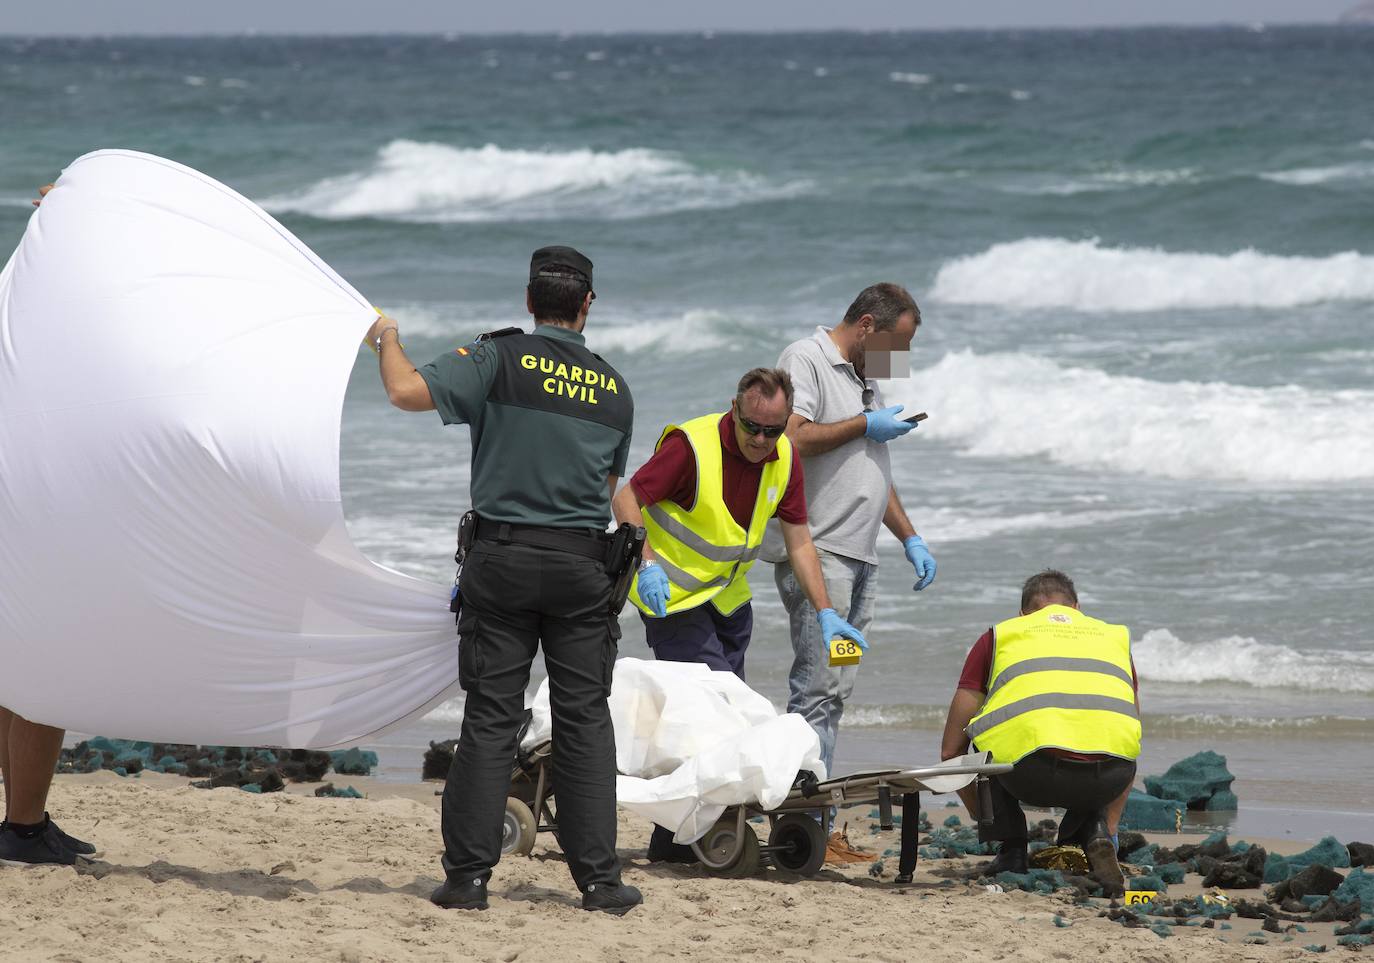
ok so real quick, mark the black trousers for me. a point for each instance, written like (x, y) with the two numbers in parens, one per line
(514, 598)
(1043, 779)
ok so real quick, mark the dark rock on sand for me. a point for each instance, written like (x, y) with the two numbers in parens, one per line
(1333, 911)
(1129, 842)
(1361, 854)
(1312, 881)
(438, 759)
(1232, 876)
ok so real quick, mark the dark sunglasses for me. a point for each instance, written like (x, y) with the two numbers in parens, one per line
(754, 428)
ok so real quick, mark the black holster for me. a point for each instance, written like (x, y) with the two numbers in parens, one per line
(622, 562)
(467, 532)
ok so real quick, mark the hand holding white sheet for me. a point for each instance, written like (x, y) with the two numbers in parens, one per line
(173, 559)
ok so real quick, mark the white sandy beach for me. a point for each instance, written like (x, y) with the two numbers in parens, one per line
(225, 875)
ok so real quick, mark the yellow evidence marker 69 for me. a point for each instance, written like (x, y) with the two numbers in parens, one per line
(844, 651)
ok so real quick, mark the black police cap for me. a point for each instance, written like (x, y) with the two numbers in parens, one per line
(559, 261)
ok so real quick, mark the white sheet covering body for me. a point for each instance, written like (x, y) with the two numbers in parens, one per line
(690, 741)
(173, 559)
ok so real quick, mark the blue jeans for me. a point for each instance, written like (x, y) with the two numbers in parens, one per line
(817, 690)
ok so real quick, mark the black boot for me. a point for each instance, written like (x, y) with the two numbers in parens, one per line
(662, 849)
(1012, 857)
(468, 894)
(616, 900)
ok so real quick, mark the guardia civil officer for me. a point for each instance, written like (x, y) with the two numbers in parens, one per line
(550, 424)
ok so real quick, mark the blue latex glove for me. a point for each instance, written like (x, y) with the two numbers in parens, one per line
(832, 625)
(920, 558)
(884, 425)
(653, 588)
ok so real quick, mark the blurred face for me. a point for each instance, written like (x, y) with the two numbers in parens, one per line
(756, 418)
(887, 354)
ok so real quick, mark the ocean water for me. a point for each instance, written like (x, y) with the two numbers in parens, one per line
(1145, 260)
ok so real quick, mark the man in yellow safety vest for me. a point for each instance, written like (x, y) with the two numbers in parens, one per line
(1054, 692)
(704, 499)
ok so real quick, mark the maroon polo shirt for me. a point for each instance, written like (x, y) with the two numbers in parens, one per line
(671, 475)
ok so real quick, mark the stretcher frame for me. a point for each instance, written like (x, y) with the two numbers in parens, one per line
(799, 826)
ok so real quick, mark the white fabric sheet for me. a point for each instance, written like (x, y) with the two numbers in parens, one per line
(173, 559)
(689, 742)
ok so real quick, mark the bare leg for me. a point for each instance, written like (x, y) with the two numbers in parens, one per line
(33, 752)
(1112, 813)
(6, 717)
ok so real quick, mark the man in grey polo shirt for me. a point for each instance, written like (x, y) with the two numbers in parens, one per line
(841, 430)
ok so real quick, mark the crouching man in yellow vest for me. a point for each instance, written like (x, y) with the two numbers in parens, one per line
(1053, 691)
(704, 499)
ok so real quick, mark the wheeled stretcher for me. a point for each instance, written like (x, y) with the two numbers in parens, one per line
(798, 828)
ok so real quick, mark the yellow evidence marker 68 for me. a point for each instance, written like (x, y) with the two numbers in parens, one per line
(844, 651)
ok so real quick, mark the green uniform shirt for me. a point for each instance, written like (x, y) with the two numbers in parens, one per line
(549, 420)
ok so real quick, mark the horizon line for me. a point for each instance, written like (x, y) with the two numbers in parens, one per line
(703, 32)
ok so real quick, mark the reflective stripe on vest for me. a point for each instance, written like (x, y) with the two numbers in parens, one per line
(704, 552)
(1062, 679)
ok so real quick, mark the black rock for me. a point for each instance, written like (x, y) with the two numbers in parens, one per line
(1361, 854)
(1315, 880)
(1129, 843)
(326, 790)
(269, 781)
(1232, 876)
(1294, 906)
(1205, 865)
(1255, 858)
(1252, 910)
(1271, 925)
(1333, 911)
(304, 765)
(438, 759)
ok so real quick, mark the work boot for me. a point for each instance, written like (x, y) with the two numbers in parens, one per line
(78, 846)
(43, 848)
(616, 900)
(662, 849)
(1012, 857)
(1103, 867)
(470, 894)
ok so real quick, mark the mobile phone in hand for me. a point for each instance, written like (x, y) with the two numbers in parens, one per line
(915, 418)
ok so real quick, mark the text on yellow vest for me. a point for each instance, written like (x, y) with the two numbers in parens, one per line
(704, 552)
(1062, 679)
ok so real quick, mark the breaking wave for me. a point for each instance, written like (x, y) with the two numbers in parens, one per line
(437, 183)
(1046, 272)
(1160, 656)
(998, 405)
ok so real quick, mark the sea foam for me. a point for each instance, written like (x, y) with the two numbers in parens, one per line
(998, 405)
(1046, 272)
(438, 183)
(1160, 656)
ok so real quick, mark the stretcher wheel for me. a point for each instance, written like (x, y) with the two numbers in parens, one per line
(797, 844)
(726, 850)
(518, 829)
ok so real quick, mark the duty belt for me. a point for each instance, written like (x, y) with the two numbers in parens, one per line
(586, 542)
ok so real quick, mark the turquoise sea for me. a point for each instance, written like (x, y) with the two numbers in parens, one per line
(1145, 260)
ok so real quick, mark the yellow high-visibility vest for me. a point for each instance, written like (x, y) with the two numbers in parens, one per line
(704, 552)
(1059, 678)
